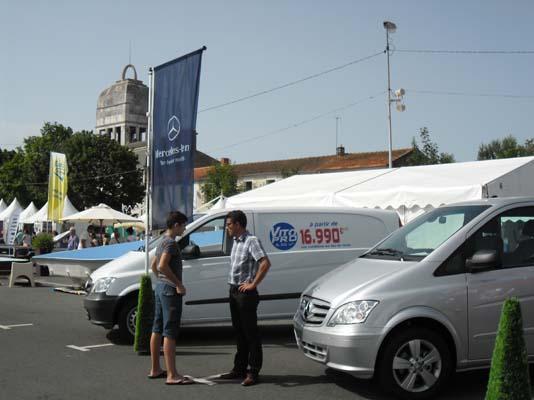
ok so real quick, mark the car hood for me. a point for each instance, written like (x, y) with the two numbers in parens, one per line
(341, 284)
(131, 261)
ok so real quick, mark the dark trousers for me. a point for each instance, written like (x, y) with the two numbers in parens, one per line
(244, 306)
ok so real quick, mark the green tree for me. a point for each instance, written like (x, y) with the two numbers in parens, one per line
(6, 155)
(14, 180)
(221, 179)
(287, 172)
(508, 147)
(428, 152)
(100, 169)
(509, 375)
(37, 150)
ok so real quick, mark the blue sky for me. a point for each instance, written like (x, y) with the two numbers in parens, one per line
(57, 56)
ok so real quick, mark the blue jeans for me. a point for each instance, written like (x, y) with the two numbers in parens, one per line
(168, 311)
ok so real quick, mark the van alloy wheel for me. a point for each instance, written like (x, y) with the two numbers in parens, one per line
(417, 365)
(131, 318)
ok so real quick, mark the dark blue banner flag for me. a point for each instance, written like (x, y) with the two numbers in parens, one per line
(174, 144)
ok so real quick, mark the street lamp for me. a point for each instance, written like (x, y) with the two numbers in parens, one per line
(390, 27)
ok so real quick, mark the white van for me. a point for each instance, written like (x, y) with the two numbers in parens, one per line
(302, 244)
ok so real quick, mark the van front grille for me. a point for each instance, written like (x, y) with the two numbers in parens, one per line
(313, 351)
(313, 311)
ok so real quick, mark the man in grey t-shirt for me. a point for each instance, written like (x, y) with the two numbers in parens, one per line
(167, 267)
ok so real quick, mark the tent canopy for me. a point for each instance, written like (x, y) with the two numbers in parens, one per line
(408, 190)
(102, 214)
(14, 208)
(3, 205)
(28, 212)
(42, 214)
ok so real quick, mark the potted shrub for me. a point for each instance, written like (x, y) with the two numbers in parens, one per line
(43, 243)
(509, 374)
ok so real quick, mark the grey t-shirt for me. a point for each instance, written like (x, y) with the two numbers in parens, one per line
(170, 246)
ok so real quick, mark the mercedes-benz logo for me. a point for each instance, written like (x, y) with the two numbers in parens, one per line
(173, 127)
(306, 308)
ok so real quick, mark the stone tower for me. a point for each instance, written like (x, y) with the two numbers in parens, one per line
(121, 113)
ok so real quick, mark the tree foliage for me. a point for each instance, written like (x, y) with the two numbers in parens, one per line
(287, 172)
(509, 375)
(100, 169)
(6, 155)
(220, 180)
(427, 153)
(508, 147)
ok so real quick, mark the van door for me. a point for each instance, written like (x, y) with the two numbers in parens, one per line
(511, 234)
(206, 277)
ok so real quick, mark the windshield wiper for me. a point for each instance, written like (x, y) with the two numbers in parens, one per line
(386, 252)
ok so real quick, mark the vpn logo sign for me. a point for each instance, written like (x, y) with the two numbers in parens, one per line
(173, 127)
(283, 236)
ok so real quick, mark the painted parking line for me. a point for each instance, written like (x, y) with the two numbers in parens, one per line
(7, 327)
(88, 348)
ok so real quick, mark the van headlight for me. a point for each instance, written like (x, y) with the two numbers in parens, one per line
(355, 312)
(102, 285)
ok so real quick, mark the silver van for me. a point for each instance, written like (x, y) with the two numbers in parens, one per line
(427, 299)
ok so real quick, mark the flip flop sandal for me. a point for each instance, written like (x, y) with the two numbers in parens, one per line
(162, 374)
(183, 381)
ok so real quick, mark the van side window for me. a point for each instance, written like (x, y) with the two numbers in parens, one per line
(210, 238)
(510, 234)
(517, 227)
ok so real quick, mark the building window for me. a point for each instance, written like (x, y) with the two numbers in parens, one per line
(102, 132)
(142, 134)
(118, 134)
(133, 134)
(269, 181)
(110, 133)
(248, 185)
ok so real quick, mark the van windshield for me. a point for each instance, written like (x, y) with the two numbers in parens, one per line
(425, 234)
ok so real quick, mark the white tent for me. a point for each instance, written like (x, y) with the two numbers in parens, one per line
(9, 218)
(408, 190)
(39, 216)
(28, 212)
(42, 214)
(3, 205)
(68, 208)
(13, 209)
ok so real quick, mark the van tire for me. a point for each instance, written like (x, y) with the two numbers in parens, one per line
(126, 320)
(403, 345)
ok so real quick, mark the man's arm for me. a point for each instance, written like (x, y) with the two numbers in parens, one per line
(154, 266)
(166, 270)
(264, 266)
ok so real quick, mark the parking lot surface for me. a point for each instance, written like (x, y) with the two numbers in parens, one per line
(50, 351)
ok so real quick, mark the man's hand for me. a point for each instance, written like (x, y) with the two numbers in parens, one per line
(245, 287)
(180, 289)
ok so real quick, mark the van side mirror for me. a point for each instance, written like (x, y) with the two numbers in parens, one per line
(482, 260)
(190, 252)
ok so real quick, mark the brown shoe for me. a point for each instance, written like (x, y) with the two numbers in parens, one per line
(232, 375)
(250, 380)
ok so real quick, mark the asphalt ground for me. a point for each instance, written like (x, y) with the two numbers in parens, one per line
(35, 362)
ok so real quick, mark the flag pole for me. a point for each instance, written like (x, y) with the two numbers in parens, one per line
(148, 164)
